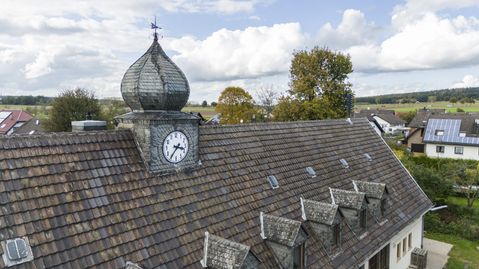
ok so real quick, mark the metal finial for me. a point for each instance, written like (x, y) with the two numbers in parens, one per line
(154, 27)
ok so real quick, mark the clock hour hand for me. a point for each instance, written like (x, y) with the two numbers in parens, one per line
(176, 147)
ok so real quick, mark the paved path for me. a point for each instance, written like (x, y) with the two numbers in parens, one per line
(436, 253)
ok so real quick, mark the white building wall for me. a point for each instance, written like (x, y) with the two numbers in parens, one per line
(388, 128)
(470, 152)
(415, 229)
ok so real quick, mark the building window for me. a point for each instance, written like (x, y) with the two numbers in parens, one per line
(384, 204)
(380, 260)
(362, 218)
(298, 257)
(398, 251)
(439, 132)
(440, 149)
(336, 235)
(404, 246)
(458, 150)
(409, 241)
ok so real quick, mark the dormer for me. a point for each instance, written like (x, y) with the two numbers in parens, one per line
(325, 220)
(286, 239)
(220, 253)
(377, 196)
(353, 207)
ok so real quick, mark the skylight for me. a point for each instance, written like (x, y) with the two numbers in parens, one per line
(439, 132)
(344, 163)
(273, 182)
(368, 157)
(17, 251)
(311, 171)
(3, 126)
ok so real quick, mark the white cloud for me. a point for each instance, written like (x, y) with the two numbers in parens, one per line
(467, 81)
(236, 54)
(352, 30)
(431, 42)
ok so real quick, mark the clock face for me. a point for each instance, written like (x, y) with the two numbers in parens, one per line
(175, 147)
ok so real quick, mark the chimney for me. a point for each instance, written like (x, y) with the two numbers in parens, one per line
(88, 125)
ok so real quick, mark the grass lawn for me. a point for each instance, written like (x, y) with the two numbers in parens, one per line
(408, 107)
(464, 251)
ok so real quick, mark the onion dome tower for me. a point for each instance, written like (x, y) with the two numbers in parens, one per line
(154, 82)
(156, 90)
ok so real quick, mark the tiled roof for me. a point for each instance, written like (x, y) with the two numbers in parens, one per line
(15, 116)
(371, 189)
(387, 115)
(33, 126)
(391, 118)
(86, 200)
(422, 115)
(348, 199)
(319, 212)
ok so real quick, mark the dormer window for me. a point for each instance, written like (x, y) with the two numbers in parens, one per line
(377, 196)
(439, 132)
(362, 218)
(299, 257)
(273, 181)
(337, 235)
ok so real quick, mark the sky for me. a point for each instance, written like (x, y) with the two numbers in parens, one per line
(395, 46)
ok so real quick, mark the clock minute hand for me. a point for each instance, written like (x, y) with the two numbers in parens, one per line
(176, 147)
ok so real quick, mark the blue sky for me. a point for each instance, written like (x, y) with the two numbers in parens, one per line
(395, 46)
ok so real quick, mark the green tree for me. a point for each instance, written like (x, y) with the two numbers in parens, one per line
(204, 103)
(266, 99)
(453, 100)
(466, 178)
(213, 104)
(71, 105)
(318, 86)
(111, 109)
(235, 106)
(407, 116)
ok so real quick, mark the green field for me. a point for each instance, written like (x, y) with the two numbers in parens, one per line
(207, 112)
(408, 107)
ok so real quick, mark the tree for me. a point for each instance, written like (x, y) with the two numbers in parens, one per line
(71, 105)
(235, 106)
(318, 86)
(267, 98)
(204, 103)
(111, 109)
(465, 177)
(213, 104)
(453, 100)
(432, 98)
(407, 116)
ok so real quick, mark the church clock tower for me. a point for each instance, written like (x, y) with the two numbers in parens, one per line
(156, 90)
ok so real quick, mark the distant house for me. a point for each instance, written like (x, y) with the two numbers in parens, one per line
(385, 119)
(455, 137)
(11, 120)
(33, 126)
(415, 136)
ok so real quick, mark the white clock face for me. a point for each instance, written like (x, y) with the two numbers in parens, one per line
(175, 147)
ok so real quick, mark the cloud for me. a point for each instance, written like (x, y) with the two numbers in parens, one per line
(431, 42)
(467, 81)
(238, 54)
(352, 30)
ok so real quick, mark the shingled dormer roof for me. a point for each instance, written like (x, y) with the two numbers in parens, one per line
(348, 199)
(371, 189)
(220, 253)
(86, 200)
(280, 230)
(318, 211)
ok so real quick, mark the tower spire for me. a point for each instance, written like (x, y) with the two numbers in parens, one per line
(154, 26)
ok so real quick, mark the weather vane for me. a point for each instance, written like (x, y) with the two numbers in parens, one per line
(154, 26)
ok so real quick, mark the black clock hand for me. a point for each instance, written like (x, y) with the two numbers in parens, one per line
(176, 147)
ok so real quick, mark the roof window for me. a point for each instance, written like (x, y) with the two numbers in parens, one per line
(368, 157)
(17, 251)
(273, 182)
(344, 163)
(439, 132)
(311, 171)
(3, 126)
(462, 134)
(349, 120)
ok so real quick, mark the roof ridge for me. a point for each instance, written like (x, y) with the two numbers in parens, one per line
(342, 120)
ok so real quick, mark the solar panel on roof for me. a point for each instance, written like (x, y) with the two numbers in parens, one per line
(4, 115)
(273, 182)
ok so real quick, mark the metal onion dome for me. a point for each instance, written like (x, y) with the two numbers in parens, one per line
(154, 82)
